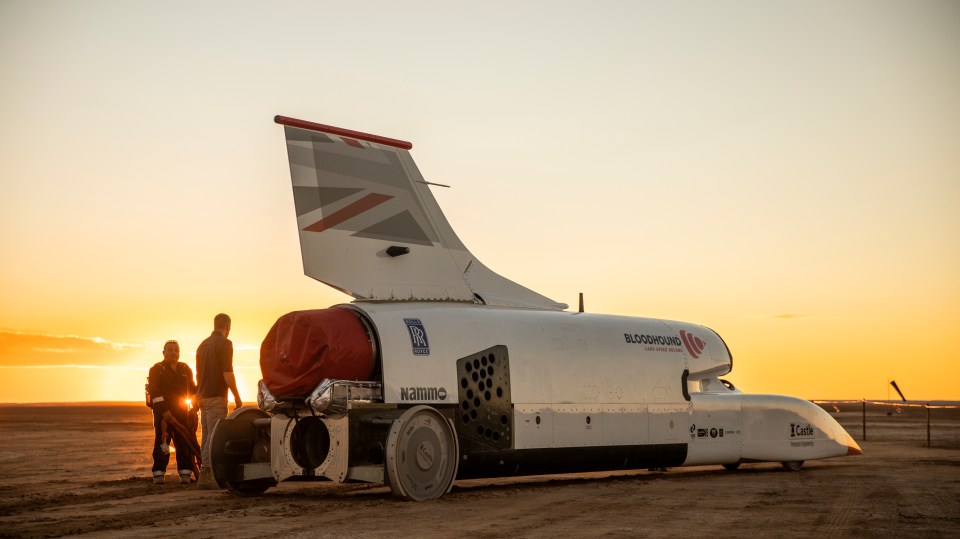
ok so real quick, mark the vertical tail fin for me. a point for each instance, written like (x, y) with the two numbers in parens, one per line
(370, 227)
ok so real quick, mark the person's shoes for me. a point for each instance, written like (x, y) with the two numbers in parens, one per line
(184, 479)
(157, 479)
(206, 481)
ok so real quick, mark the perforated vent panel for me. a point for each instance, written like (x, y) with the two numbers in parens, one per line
(485, 413)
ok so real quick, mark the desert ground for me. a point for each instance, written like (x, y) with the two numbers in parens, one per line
(76, 469)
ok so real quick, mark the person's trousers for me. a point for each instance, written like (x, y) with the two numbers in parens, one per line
(184, 451)
(212, 410)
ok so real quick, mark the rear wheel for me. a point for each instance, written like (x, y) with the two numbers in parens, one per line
(421, 454)
(732, 466)
(792, 465)
(236, 442)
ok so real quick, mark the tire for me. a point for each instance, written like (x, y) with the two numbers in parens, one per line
(249, 489)
(792, 465)
(237, 441)
(422, 454)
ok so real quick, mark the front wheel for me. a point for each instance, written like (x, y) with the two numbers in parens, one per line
(792, 465)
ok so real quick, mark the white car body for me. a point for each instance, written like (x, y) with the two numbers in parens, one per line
(477, 376)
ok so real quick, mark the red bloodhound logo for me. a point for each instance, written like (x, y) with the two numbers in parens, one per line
(693, 343)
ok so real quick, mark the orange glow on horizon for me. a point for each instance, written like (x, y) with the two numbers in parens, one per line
(814, 357)
(791, 184)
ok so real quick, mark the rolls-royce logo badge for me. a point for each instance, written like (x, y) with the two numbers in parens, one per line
(418, 336)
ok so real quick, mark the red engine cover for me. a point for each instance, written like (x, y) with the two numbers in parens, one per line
(305, 347)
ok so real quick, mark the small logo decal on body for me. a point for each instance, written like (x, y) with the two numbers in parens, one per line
(693, 343)
(801, 431)
(423, 394)
(418, 336)
(709, 432)
(654, 343)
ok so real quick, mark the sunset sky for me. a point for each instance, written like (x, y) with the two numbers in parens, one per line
(787, 174)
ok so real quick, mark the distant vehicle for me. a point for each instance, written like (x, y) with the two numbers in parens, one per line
(442, 369)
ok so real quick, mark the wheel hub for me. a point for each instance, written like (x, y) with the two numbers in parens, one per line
(425, 455)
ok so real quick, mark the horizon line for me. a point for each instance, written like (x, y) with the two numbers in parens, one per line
(815, 401)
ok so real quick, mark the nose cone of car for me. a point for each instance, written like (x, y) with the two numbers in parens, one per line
(853, 448)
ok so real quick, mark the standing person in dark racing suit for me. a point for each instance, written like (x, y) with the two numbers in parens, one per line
(214, 377)
(170, 385)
